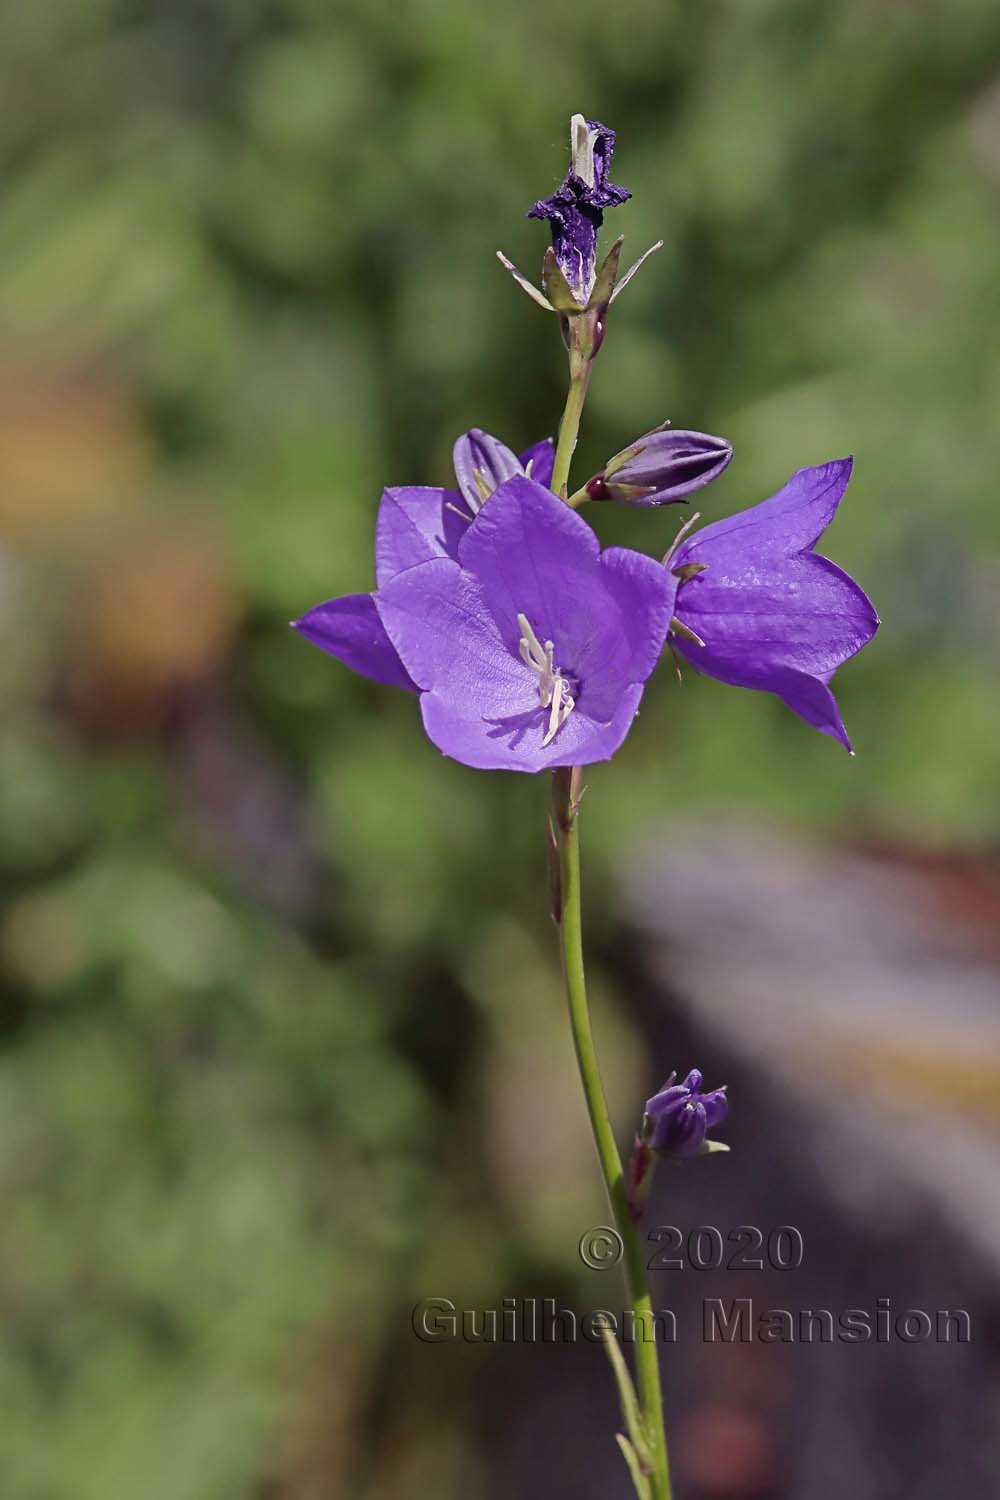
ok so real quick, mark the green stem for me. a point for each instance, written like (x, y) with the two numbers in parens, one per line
(566, 788)
(569, 427)
(566, 909)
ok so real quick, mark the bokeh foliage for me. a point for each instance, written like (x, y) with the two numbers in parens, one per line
(276, 981)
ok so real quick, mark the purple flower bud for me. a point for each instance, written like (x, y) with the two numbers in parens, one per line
(678, 1117)
(576, 209)
(482, 463)
(662, 467)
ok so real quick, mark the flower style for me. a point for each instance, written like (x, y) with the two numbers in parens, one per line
(757, 607)
(662, 467)
(532, 647)
(575, 211)
(416, 523)
(680, 1115)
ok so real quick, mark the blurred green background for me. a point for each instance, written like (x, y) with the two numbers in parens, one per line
(281, 1039)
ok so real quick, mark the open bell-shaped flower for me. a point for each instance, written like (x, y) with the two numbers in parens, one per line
(531, 648)
(529, 645)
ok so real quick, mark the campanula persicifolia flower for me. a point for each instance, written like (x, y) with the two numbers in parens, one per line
(681, 1114)
(531, 647)
(757, 607)
(416, 523)
(575, 211)
(662, 467)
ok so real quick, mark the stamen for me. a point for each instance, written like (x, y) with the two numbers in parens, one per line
(553, 693)
(557, 691)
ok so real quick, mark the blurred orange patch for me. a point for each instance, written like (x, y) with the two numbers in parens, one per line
(157, 620)
(71, 452)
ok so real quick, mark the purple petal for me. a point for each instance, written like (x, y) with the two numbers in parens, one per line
(774, 616)
(766, 613)
(350, 629)
(813, 701)
(456, 629)
(630, 643)
(680, 1132)
(792, 521)
(477, 453)
(668, 1098)
(537, 462)
(716, 1107)
(534, 556)
(479, 701)
(438, 621)
(513, 741)
(416, 523)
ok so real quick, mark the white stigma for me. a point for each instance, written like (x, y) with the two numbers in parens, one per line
(553, 693)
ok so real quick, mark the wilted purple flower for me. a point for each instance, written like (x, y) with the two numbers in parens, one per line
(575, 210)
(416, 523)
(680, 1115)
(661, 467)
(758, 608)
(531, 649)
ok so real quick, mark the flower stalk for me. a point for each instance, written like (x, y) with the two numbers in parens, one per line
(567, 911)
(569, 429)
(567, 790)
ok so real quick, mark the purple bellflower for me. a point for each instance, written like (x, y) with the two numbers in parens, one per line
(416, 523)
(575, 211)
(531, 647)
(662, 467)
(681, 1114)
(757, 607)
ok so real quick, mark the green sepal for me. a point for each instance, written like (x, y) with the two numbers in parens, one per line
(524, 283)
(626, 493)
(677, 627)
(632, 269)
(556, 286)
(687, 571)
(621, 459)
(639, 1479)
(627, 455)
(631, 1415)
(607, 276)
